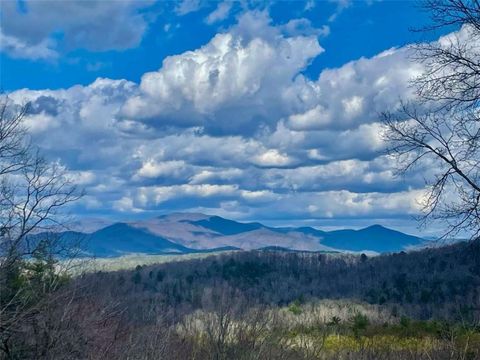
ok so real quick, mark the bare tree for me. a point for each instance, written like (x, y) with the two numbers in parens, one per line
(441, 129)
(33, 192)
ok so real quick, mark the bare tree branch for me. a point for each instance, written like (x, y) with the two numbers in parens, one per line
(33, 194)
(442, 127)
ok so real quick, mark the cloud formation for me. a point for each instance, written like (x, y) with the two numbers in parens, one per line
(37, 29)
(235, 127)
(220, 13)
(234, 84)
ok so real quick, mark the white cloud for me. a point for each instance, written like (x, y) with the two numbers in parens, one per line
(309, 5)
(304, 26)
(17, 48)
(214, 175)
(83, 178)
(342, 204)
(272, 158)
(259, 197)
(126, 204)
(37, 123)
(234, 126)
(341, 6)
(94, 25)
(153, 169)
(330, 144)
(230, 85)
(187, 6)
(316, 117)
(358, 91)
(155, 195)
(355, 175)
(353, 106)
(250, 77)
(220, 13)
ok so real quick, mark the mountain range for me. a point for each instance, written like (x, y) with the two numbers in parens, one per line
(183, 233)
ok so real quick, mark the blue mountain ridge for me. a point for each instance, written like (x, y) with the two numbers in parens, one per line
(373, 238)
(225, 226)
(120, 238)
(124, 238)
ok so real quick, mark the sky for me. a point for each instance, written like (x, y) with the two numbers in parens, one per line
(251, 110)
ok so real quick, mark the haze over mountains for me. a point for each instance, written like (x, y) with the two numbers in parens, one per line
(192, 232)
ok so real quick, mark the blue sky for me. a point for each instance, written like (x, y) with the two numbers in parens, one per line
(251, 110)
(361, 28)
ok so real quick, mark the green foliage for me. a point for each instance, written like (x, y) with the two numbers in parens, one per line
(390, 340)
(27, 281)
(13, 282)
(359, 323)
(405, 322)
(249, 271)
(295, 308)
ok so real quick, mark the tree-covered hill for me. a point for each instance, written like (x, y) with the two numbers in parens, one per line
(437, 282)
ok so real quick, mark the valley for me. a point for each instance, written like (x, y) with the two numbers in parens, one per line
(278, 305)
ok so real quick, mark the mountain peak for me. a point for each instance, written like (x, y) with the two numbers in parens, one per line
(377, 227)
(185, 216)
(225, 226)
(375, 237)
(190, 231)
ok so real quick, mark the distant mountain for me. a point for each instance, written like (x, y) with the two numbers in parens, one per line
(121, 238)
(374, 238)
(225, 226)
(198, 231)
(189, 232)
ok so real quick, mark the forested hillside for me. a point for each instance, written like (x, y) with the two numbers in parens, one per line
(268, 305)
(425, 284)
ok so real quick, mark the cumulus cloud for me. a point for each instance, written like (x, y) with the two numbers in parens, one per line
(357, 176)
(363, 142)
(272, 158)
(217, 176)
(345, 203)
(248, 78)
(63, 121)
(235, 128)
(233, 84)
(358, 91)
(153, 196)
(97, 25)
